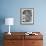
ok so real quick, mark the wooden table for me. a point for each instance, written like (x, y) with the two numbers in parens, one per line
(20, 39)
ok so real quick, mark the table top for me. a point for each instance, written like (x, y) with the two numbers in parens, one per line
(22, 35)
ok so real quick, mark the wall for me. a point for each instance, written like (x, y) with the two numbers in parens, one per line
(11, 8)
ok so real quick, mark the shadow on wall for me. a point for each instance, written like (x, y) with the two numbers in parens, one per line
(2, 21)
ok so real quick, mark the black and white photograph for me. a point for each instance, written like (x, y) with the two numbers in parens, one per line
(27, 15)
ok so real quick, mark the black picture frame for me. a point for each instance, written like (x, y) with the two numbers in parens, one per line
(27, 15)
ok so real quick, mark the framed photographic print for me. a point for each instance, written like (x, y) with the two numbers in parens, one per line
(27, 15)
